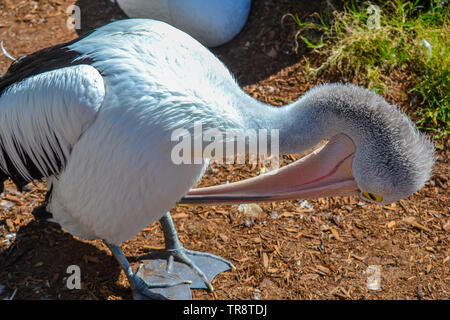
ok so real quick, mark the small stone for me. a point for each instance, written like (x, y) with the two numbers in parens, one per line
(251, 209)
(306, 205)
(6, 204)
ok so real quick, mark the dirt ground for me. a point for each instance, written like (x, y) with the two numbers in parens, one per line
(291, 250)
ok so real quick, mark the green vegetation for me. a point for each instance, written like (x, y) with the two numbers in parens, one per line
(369, 41)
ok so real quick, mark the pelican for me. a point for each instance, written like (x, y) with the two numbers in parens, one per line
(95, 116)
(212, 22)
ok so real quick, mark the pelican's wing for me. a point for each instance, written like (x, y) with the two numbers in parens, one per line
(42, 116)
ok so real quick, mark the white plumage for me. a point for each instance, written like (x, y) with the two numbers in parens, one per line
(115, 118)
(128, 146)
(34, 122)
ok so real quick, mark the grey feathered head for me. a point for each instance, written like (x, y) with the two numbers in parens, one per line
(393, 159)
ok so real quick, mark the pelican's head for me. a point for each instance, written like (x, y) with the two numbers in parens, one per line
(374, 152)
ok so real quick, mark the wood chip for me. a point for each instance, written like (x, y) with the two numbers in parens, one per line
(225, 213)
(13, 199)
(356, 257)
(336, 234)
(277, 249)
(210, 229)
(309, 276)
(92, 259)
(242, 260)
(403, 206)
(323, 271)
(147, 247)
(10, 225)
(411, 221)
(430, 249)
(347, 293)
(391, 224)
(340, 295)
(265, 259)
(310, 236)
(360, 226)
(446, 226)
(295, 213)
(180, 215)
(257, 240)
(332, 292)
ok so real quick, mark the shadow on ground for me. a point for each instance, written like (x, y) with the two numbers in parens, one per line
(23, 266)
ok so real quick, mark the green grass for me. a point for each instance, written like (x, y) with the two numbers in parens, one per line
(410, 37)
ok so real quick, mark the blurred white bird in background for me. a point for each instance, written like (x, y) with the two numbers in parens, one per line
(212, 22)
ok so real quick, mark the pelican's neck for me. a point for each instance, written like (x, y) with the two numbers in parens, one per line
(300, 125)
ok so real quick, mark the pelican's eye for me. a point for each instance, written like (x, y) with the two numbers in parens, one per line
(372, 196)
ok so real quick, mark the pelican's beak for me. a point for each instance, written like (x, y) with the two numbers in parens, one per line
(325, 172)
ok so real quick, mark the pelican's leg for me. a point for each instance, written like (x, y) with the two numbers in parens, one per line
(138, 286)
(204, 265)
